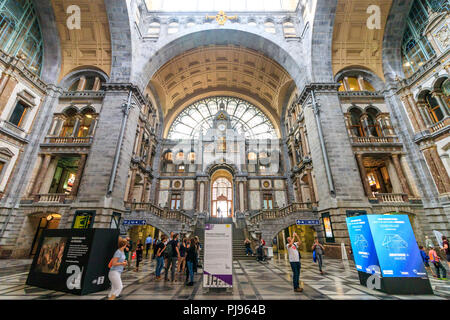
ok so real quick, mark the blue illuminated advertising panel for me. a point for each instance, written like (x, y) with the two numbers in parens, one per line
(363, 247)
(396, 246)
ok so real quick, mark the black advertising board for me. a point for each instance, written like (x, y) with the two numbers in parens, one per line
(73, 260)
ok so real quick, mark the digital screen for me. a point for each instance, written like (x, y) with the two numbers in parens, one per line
(396, 246)
(363, 247)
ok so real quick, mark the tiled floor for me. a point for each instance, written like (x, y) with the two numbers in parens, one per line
(252, 280)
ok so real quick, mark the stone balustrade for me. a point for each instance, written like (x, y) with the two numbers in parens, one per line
(51, 198)
(282, 212)
(68, 140)
(392, 197)
(159, 212)
(441, 124)
(375, 140)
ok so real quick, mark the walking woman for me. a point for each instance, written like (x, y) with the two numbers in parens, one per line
(191, 258)
(160, 247)
(319, 253)
(139, 253)
(118, 262)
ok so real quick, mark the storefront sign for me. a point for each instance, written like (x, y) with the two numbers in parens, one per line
(73, 260)
(308, 222)
(218, 256)
(135, 222)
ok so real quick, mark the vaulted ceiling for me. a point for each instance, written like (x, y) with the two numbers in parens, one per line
(354, 44)
(221, 68)
(89, 46)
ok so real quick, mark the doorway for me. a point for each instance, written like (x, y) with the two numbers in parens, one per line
(222, 194)
(50, 221)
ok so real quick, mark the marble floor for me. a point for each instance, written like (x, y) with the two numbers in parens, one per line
(252, 281)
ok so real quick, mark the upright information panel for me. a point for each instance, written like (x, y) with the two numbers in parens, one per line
(385, 246)
(218, 256)
(73, 260)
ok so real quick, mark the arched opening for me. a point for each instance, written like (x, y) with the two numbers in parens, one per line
(305, 233)
(40, 222)
(222, 205)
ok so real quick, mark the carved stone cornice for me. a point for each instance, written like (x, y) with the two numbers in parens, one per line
(126, 87)
(328, 87)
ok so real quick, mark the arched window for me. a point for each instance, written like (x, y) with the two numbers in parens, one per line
(289, 30)
(252, 157)
(355, 84)
(416, 50)
(154, 29)
(355, 120)
(373, 126)
(190, 23)
(433, 108)
(86, 123)
(252, 23)
(168, 156)
(172, 28)
(20, 34)
(86, 83)
(245, 118)
(269, 26)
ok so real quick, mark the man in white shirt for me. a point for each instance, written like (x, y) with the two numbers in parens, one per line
(294, 259)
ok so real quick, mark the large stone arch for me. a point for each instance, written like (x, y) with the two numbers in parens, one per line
(392, 41)
(52, 47)
(289, 56)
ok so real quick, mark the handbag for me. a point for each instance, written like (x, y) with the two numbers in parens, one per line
(110, 263)
(314, 255)
(133, 256)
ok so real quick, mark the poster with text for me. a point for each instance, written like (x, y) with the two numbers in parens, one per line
(363, 247)
(396, 246)
(218, 256)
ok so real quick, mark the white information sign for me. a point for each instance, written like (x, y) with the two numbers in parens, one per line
(218, 256)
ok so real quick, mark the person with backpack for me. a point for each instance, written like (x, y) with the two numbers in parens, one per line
(182, 261)
(116, 265)
(436, 260)
(318, 250)
(172, 253)
(426, 259)
(294, 260)
(191, 258)
(159, 254)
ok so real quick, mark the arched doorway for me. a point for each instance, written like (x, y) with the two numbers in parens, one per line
(41, 222)
(305, 233)
(222, 194)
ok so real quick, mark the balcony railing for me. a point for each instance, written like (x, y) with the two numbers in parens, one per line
(391, 197)
(68, 140)
(51, 198)
(282, 212)
(441, 124)
(375, 140)
(159, 212)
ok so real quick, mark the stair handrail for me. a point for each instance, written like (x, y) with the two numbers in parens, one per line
(269, 214)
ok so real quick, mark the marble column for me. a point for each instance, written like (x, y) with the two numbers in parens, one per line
(440, 168)
(303, 141)
(416, 112)
(409, 112)
(442, 105)
(79, 174)
(363, 172)
(130, 191)
(42, 172)
(311, 185)
(299, 190)
(401, 175)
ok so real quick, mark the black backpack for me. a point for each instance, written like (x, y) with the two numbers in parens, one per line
(168, 253)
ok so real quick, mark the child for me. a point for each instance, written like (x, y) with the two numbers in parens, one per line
(436, 260)
(425, 259)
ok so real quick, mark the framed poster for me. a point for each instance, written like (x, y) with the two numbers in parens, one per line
(218, 256)
(328, 227)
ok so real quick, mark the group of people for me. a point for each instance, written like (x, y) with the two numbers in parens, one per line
(433, 256)
(50, 257)
(171, 253)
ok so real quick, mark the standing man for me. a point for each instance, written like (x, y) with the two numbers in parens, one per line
(129, 251)
(148, 244)
(172, 259)
(294, 259)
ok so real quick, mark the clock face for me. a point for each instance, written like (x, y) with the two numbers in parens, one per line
(222, 127)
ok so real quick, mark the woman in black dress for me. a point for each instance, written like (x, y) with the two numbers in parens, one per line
(139, 253)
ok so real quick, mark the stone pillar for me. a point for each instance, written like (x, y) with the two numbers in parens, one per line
(130, 190)
(97, 84)
(401, 175)
(410, 114)
(442, 174)
(294, 153)
(299, 189)
(303, 141)
(79, 175)
(362, 87)
(311, 186)
(144, 189)
(42, 172)
(416, 112)
(137, 151)
(7, 85)
(365, 125)
(363, 172)
(81, 83)
(425, 113)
